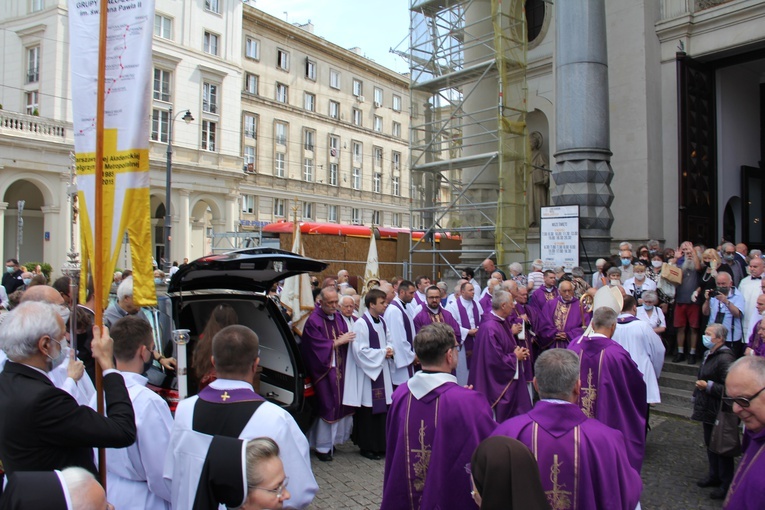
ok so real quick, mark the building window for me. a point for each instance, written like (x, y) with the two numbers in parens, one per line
(334, 146)
(334, 79)
(535, 18)
(396, 160)
(36, 5)
(356, 182)
(251, 83)
(282, 93)
(159, 125)
(396, 220)
(307, 210)
(332, 213)
(250, 127)
(308, 170)
(162, 85)
(209, 98)
(309, 139)
(396, 103)
(310, 69)
(248, 204)
(280, 133)
(332, 177)
(378, 156)
(356, 216)
(252, 49)
(358, 87)
(378, 123)
(249, 157)
(279, 207)
(377, 182)
(395, 187)
(375, 217)
(378, 97)
(163, 26)
(33, 64)
(334, 109)
(211, 43)
(209, 129)
(357, 117)
(358, 153)
(213, 6)
(397, 129)
(279, 164)
(283, 60)
(33, 98)
(310, 102)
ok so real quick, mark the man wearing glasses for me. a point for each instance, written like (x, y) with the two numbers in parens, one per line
(744, 387)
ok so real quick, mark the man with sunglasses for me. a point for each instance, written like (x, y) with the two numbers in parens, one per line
(744, 388)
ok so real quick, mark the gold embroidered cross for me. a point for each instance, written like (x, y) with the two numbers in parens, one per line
(225, 396)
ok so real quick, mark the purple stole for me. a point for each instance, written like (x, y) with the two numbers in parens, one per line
(419, 300)
(465, 321)
(209, 394)
(627, 320)
(485, 303)
(379, 405)
(407, 329)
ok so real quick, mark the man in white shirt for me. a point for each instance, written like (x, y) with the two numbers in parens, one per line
(398, 318)
(368, 385)
(230, 407)
(134, 474)
(467, 313)
(751, 288)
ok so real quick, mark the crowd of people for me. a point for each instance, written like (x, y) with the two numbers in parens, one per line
(531, 391)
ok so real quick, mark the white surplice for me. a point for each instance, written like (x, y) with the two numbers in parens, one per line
(187, 450)
(646, 350)
(453, 308)
(134, 474)
(404, 352)
(365, 364)
(751, 290)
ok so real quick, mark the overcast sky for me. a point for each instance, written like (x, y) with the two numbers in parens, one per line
(373, 25)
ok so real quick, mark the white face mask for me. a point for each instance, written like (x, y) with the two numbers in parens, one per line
(63, 353)
(657, 263)
(640, 276)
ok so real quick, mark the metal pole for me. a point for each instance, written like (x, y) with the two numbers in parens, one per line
(168, 181)
(20, 228)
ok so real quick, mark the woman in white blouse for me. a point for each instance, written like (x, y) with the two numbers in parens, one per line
(651, 313)
(639, 283)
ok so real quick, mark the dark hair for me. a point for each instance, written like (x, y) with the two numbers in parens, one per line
(62, 285)
(432, 287)
(235, 349)
(405, 285)
(38, 279)
(127, 273)
(418, 280)
(629, 303)
(129, 333)
(372, 297)
(432, 343)
(548, 271)
(315, 292)
(469, 272)
(222, 315)
(462, 287)
(14, 261)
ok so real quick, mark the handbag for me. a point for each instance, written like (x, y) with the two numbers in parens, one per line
(672, 274)
(725, 440)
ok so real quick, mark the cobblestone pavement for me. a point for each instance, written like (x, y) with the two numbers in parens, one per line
(675, 459)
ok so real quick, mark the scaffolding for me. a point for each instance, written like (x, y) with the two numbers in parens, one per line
(468, 141)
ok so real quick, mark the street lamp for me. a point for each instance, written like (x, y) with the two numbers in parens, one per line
(187, 117)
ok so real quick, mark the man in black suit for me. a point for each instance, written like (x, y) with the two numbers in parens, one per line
(42, 428)
(12, 277)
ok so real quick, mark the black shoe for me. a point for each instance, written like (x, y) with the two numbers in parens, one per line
(679, 358)
(324, 457)
(692, 359)
(369, 455)
(708, 482)
(718, 493)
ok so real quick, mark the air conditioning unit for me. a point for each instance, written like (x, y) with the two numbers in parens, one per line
(377, 105)
(360, 99)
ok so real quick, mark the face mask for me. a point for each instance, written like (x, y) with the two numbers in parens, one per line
(63, 352)
(9, 269)
(656, 263)
(728, 257)
(614, 283)
(63, 312)
(157, 281)
(647, 308)
(707, 341)
(708, 264)
(27, 281)
(626, 262)
(640, 276)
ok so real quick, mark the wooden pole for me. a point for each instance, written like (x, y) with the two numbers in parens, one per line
(97, 258)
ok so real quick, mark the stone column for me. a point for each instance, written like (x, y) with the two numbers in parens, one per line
(583, 171)
(183, 244)
(54, 251)
(232, 212)
(3, 208)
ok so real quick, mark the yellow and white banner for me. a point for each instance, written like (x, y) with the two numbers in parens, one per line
(125, 183)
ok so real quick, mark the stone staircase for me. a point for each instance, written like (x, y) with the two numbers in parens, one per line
(676, 385)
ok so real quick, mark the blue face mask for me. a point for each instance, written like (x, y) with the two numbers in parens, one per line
(157, 281)
(27, 281)
(9, 269)
(707, 340)
(647, 308)
(626, 262)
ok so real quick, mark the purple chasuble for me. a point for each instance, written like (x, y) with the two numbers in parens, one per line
(583, 464)
(429, 445)
(419, 300)
(379, 404)
(465, 320)
(318, 346)
(540, 296)
(613, 391)
(485, 303)
(426, 317)
(627, 320)
(747, 492)
(516, 317)
(494, 368)
(556, 317)
(214, 396)
(756, 342)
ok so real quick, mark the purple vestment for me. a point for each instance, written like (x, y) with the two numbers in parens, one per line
(756, 342)
(747, 492)
(539, 297)
(495, 367)
(583, 464)
(613, 391)
(317, 346)
(429, 445)
(557, 316)
(485, 303)
(426, 317)
(516, 317)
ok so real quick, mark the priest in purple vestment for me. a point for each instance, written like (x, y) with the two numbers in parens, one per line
(398, 317)
(422, 283)
(526, 337)
(432, 311)
(324, 345)
(485, 300)
(583, 463)
(757, 335)
(613, 389)
(467, 313)
(745, 388)
(434, 424)
(545, 293)
(497, 369)
(562, 319)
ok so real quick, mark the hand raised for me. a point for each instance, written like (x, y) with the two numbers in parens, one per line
(103, 348)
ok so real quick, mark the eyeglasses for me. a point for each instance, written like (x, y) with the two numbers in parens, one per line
(456, 346)
(742, 401)
(279, 491)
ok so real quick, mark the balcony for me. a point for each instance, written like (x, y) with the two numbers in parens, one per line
(34, 127)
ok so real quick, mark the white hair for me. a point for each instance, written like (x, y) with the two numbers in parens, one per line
(516, 267)
(125, 289)
(77, 481)
(25, 326)
(625, 245)
(347, 296)
(538, 264)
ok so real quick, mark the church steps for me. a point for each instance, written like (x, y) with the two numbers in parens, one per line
(676, 385)
(677, 381)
